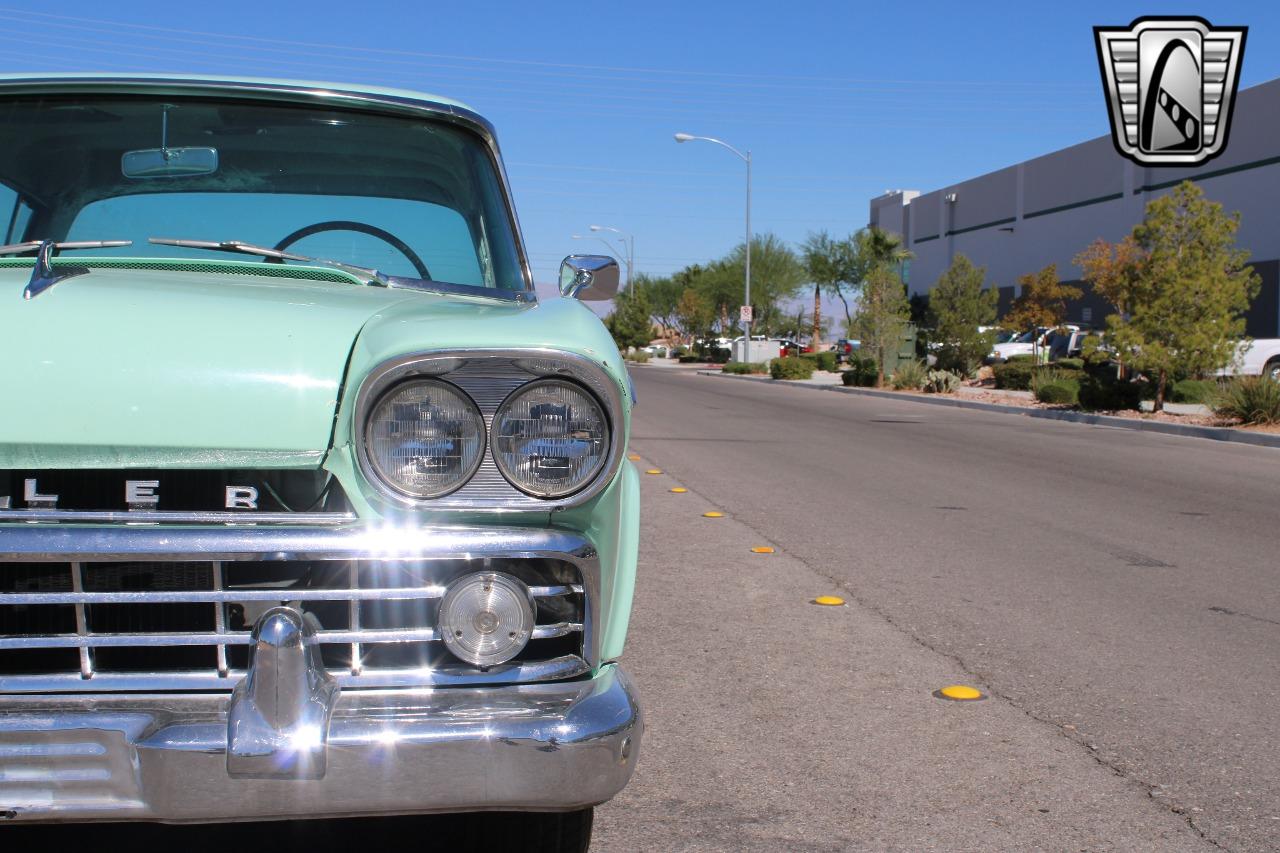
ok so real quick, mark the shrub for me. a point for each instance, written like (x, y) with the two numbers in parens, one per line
(1013, 376)
(941, 382)
(827, 361)
(1020, 359)
(910, 375)
(1056, 388)
(1102, 392)
(679, 351)
(1069, 364)
(863, 372)
(639, 357)
(1193, 391)
(1249, 399)
(791, 368)
(742, 367)
(688, 359)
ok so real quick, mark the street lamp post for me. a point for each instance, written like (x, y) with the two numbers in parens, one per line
(628, 240)
(746, 158)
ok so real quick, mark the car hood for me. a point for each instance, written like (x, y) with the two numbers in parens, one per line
(121, 367)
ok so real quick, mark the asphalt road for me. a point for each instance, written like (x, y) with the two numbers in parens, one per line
(1114, 592)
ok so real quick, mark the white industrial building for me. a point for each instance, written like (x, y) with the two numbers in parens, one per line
(1019, 219)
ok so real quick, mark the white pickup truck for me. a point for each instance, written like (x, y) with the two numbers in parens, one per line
(1259, 357)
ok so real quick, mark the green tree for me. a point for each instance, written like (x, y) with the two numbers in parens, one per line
(883, 315)
(776, 275)
(960, 305)
(883, 310)
(630, 323)
(832, 265)
(694, 315)
(1042, 303)
(1181, 288)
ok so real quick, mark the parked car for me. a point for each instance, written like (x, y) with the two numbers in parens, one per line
(1026, 343)
(1258, 357)
(846, 347)
(276, 533)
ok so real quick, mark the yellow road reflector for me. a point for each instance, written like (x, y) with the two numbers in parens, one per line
(713, 514)
(829, 600)
(633, 457)
(679, 490)
(960, 693)
(653, 471)
(762, 549)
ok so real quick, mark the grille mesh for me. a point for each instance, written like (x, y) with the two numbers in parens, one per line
(194, 617)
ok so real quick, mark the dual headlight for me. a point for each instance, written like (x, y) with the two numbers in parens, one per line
(426, 438)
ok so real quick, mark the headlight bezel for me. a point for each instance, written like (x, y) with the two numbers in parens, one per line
(398, 387)
(489, 490)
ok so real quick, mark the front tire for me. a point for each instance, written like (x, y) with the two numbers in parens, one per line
(1272, 369)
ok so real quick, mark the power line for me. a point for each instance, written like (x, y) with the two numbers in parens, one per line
(98, 23)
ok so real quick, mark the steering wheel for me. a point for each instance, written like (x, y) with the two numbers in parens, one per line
(372, 230)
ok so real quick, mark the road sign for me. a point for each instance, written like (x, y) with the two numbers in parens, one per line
(744, 314)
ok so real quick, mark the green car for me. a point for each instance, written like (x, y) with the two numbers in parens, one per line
(308, 505)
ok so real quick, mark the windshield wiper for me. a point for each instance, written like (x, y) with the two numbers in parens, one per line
(369, 276)
(43, 275)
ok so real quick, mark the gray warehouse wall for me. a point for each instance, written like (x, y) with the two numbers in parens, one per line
(1021, 218)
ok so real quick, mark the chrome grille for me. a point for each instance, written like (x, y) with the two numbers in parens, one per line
(149, 621)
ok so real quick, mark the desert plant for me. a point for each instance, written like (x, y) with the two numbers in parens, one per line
(1069, 364)
(1248, 399)
(826, 360)
(941, 382)
(639, 357)
(1026, 358)
(1194, 390)
(791, 368)
(910, 375)
(745, 367)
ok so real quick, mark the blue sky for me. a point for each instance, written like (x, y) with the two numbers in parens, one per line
(837, 101)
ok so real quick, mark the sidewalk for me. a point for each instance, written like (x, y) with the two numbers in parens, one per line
(831, 382)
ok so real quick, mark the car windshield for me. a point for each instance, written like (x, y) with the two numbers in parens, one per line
(407, 196)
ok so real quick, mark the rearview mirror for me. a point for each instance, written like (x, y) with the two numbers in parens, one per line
(591, 278)
(169, 162)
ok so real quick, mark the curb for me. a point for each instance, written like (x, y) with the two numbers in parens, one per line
(1185, 430)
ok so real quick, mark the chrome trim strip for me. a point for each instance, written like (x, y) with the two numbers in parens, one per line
(144, 516)
(299, 92)
(85, 641)
(552, 669)
(223, 596)
(554, 363)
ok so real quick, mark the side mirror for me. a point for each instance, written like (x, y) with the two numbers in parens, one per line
(591, 278)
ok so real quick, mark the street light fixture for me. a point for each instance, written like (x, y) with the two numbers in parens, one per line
(629, 241)
(612, 250)
(746, 158)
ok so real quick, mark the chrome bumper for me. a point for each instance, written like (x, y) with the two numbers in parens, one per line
(164, 757)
